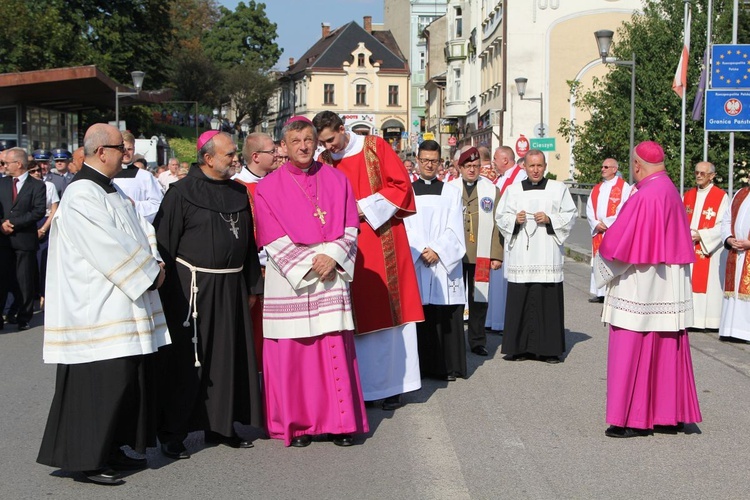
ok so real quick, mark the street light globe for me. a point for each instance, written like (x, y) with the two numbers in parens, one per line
(604, 41)
(521, 85)
(138, 79)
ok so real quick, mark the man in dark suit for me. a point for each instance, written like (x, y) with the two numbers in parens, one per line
(22, 204)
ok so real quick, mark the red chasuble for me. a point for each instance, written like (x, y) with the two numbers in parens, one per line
(385, 293)
(615, 197)
(732, 255)
(707, 220)
(256, 312)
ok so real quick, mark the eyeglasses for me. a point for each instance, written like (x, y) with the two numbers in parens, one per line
(118, 147)
(608, 166)
(703, 173)
(272, 152)
(35, 171)
(469, 167)
(4, 163)
(426, 161)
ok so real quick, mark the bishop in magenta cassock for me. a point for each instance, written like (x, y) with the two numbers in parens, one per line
(644, 260)
(385, 294)
(308, 224)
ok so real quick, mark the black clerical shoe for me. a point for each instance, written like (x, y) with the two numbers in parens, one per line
(392, 403)
(119, 461)
(342, 439)
(103, 476)
(480, 350)
(23, 327)
(301, 441)
(516, 357)
(11, 319)
(552, 360)
(624, 432)
(233, 441)
(596, 300)
(450, 377)
(670, 429)
(175, 450)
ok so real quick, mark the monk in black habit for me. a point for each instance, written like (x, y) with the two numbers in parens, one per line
(204, 224)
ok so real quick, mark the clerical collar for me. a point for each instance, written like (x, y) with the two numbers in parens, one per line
(90, 173)
(256, 176)
(354, 146)
(428, 181)
(470, 184)
(707, 188)
(293, 169)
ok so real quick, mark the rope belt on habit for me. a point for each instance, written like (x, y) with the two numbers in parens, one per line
(193, 306)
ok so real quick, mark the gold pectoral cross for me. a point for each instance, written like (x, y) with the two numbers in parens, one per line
(320, 215)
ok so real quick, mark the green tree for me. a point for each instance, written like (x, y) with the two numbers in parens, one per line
(249, 89)
(244, 36)
(656, 38)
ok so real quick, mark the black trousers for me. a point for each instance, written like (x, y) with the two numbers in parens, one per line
(19, 276)
(477, 311)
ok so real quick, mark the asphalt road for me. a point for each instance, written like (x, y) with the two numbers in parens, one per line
(510, 430)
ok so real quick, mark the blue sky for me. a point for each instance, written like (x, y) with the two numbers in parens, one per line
(298, 21)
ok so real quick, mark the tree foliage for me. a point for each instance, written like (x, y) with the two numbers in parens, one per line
(655, 36)
(244, 36)
(249, 89)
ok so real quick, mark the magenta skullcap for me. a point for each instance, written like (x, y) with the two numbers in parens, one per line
(299, 118)
(470, 154)
(650, 152)
(205, 137)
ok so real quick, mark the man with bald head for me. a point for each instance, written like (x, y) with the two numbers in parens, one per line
(77, 162)
(204, 231)
(706, 206)
(602, 208)
(103, 321)
(645, 262)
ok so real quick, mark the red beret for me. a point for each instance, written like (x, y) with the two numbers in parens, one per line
(650, 152)
(205, 137)
(470, 154)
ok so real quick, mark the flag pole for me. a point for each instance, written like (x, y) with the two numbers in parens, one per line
(707, 63)
(730, 184)
(686, 42)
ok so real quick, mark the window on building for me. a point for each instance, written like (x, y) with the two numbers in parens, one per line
(393, 95)
(421, 97)
(361, 95)
(459, 23)
(361, 60)
(456, 84)
(422, 23)
(422, 60)
(328, 93)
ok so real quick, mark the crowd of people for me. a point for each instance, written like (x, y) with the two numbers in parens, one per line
(293, 285)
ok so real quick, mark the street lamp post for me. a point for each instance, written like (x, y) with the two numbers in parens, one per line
(603, 41)
(137, 83)
(215, 122)
(521, 87)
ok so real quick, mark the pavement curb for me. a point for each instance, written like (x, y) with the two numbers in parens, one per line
(578, 254)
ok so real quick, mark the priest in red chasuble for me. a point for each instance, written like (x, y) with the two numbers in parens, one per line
(706, 206)
(602, 209)
(385, 294)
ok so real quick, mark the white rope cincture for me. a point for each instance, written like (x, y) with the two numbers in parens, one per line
(193, 305)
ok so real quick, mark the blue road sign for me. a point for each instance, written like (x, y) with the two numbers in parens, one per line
(728, 110)
(730, 67)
